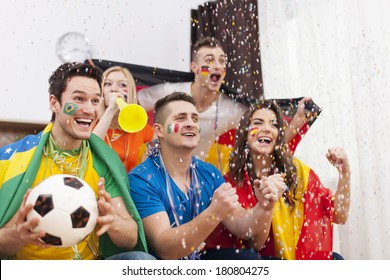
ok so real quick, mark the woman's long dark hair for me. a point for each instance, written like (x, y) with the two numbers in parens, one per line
(283, 159)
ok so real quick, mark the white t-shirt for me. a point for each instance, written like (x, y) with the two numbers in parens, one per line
(229, 113)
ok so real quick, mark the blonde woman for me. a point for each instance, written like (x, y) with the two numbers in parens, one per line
(119, 83)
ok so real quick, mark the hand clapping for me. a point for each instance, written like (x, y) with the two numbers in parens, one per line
(269, 189)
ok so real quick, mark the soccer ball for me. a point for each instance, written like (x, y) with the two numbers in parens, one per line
(66, 207)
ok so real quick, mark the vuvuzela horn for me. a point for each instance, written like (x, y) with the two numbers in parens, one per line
(132, 117)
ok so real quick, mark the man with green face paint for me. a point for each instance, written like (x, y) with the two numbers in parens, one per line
(66, 146)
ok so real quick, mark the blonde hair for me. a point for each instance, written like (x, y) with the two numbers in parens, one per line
(132, 94)
(131, 88)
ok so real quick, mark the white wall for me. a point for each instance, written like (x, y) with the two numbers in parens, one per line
(338, 53)
(147, 32)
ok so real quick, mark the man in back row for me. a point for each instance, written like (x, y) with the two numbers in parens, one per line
(217, 112)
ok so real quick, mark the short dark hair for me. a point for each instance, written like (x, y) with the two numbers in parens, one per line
(60, 77)
(160, 112)
(207, 41)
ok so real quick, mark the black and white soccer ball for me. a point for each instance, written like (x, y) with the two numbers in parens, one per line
(66, 207)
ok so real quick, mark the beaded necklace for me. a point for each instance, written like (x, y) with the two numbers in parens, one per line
(193, 195)
(60, 158)
(77, 167)
(216, 136)
(216, 126)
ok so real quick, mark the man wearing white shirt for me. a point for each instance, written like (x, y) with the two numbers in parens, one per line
(217, 112)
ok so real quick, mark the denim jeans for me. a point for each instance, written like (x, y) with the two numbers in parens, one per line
(132, 255)
(230, 254)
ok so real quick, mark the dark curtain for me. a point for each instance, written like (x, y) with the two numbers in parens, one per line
(235, 25)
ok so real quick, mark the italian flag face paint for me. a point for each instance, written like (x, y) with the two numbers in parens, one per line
(70, 108)
(253, 131)
(205, 70)
(173, 128)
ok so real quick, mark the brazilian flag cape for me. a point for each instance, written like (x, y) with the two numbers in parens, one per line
(19, 163)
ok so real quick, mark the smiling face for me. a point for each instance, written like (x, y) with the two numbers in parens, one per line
(263, 132)
(181, 126)
(76, 115)
(209, 67)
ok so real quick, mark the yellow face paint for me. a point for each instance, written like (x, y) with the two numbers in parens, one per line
(253, 131)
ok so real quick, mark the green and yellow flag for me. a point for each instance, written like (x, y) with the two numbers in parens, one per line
(19, 164)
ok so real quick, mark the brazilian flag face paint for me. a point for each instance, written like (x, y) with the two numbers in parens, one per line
(70, 108)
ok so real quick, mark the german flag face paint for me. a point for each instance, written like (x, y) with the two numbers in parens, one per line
(173, 128)
(70, 108)
(253, 131)
(205, 70)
